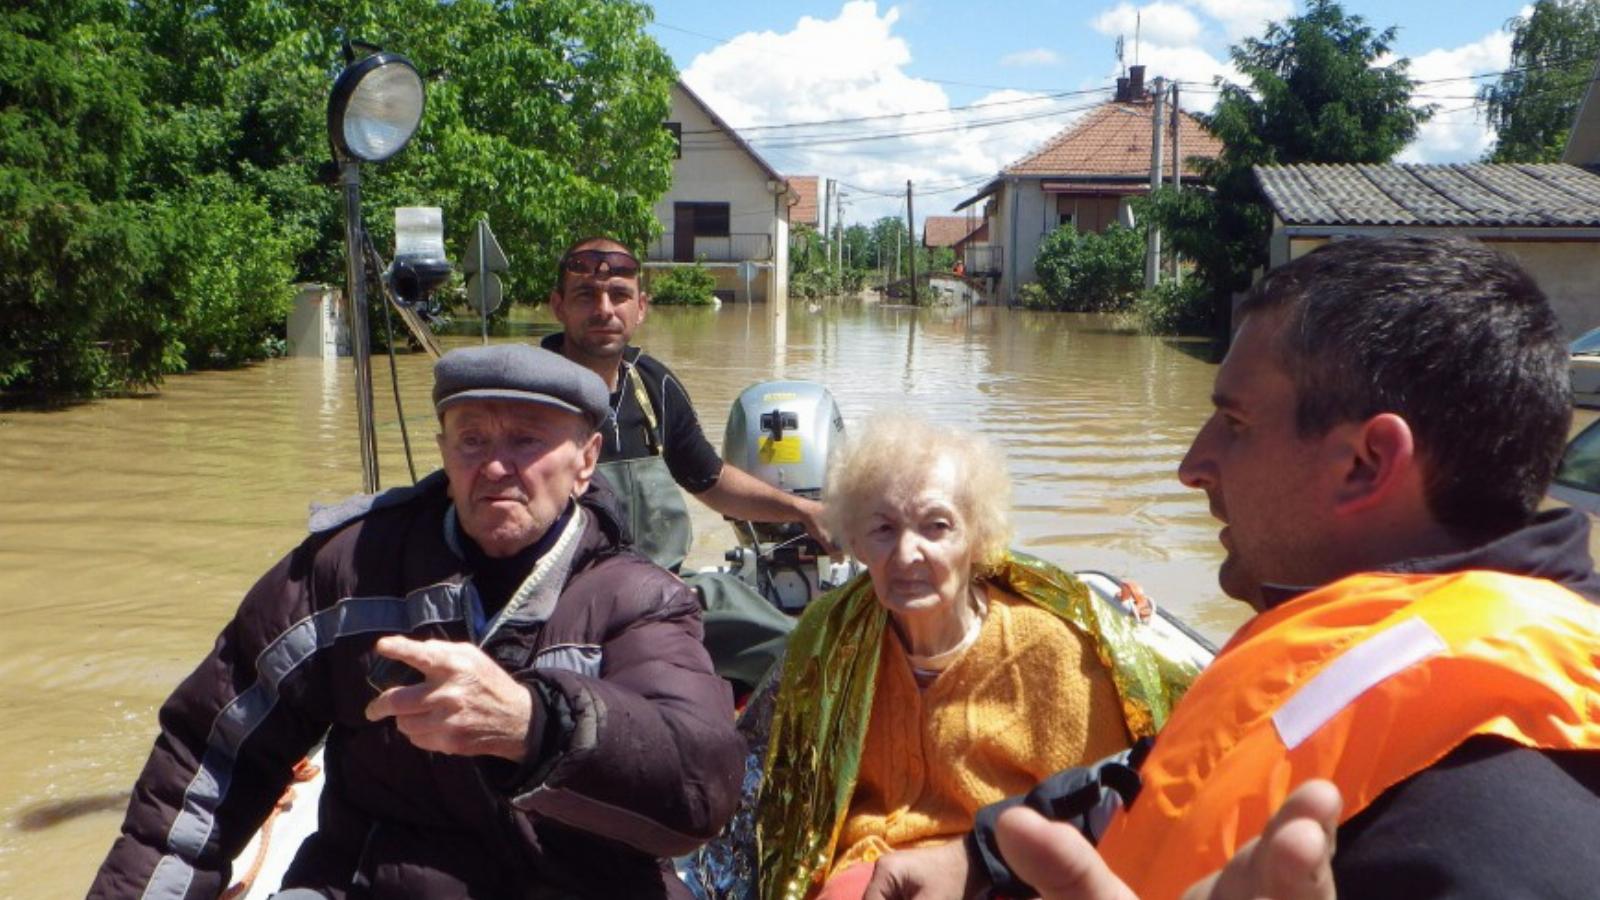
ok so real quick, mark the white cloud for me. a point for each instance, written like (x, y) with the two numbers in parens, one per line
(1038, 56)
(1243, 18)
(1458, 132)
(1156, 23)
(851, 66)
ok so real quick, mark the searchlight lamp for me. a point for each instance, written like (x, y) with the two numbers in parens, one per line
(374, 110)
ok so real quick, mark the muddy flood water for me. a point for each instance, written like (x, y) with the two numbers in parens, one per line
(130, 528)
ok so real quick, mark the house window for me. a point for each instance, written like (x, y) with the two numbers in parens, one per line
(1066, 219)
(710, 219)
(676, 129)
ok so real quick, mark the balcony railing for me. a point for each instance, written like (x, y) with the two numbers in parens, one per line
(726, 248)
(983, 259)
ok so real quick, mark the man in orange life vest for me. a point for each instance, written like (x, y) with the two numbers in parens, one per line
(1386, 422)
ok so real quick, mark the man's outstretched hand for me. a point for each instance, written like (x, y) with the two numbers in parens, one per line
(1292, 860)
(465, 705)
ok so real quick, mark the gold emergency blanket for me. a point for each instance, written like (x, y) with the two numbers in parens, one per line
(825, 697)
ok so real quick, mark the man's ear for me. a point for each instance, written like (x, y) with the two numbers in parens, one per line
(1382, 464)
(644, 305)
(590, 457)
(557, 302)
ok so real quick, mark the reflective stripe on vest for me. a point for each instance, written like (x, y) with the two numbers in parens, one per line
(1364, 682)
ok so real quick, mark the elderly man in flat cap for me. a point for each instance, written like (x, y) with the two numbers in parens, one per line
(515, 704)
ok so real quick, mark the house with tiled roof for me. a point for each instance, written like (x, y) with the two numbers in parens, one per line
(803, 209)
(726, 206)
(1546, 215)
(947, 231)
(1084, 177)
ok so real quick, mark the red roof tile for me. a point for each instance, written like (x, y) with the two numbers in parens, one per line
(1113, 140)
(945, 231)
(979, 235)
(804, 210)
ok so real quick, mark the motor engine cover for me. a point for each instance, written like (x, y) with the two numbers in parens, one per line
(782, 432)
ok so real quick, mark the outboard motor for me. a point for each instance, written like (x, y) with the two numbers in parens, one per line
(783, 432)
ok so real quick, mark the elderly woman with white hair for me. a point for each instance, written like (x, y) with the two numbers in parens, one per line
(951, 675)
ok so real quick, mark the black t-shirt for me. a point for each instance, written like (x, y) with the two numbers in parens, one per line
(1492, 820)
(695, 465)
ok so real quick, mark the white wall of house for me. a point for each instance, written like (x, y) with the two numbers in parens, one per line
(1025, 205)
(1567, 271)
(715, 168)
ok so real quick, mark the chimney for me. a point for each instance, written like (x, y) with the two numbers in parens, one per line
(1136, 83)
(1122, 90)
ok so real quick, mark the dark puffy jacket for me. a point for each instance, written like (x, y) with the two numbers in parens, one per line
(633, 756)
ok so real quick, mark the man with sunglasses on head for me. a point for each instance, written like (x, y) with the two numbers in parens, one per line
(654, 445)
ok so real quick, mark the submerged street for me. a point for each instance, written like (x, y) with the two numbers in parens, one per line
(133, 526)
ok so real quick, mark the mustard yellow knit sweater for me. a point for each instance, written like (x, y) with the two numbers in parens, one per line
(1028, 699)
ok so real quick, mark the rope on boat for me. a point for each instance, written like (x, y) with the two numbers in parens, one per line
(303, 771)
(1132, 596)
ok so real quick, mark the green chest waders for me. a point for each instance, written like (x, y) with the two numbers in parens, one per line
(652, 504)
(744, 634)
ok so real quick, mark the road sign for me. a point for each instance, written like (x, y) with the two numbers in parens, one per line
(748, 271)
(485, 291)
(481, 261)
(483, 252)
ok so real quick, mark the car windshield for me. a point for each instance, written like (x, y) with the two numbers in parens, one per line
(1588, 344)
(1580, 465)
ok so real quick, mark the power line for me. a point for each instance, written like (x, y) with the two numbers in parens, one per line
(1553, 64)
(1041, 98)
(1214, 88)
(788, 141)
(936, 188)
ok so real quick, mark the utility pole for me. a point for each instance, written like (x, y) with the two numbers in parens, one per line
(877, 255)
(1152, 254)
(896, 255)
(827, 226)
(838, 225)
(911, 236)
(1177, 173)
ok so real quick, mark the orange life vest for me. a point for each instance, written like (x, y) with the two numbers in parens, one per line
(1364, 682)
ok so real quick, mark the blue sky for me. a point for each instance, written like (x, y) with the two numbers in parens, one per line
(766, 64)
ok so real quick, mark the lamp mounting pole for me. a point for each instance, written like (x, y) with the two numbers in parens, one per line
(360, 344)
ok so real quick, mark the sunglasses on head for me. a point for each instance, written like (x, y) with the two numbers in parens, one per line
(601, 262)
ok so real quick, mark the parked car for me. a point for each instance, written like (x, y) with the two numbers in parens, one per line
(1577, 482)
(1586, 369)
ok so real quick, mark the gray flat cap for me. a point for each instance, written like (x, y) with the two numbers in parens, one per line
(519, 372)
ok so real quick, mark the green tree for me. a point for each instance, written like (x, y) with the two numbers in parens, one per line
(1315, 93)
(858, 247)
(1532, 105)
(807, 249)
(160, 162)
(691, 285)
(1088, 272)
(73, 257)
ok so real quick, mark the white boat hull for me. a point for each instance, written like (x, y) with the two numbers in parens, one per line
(1164, 632)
